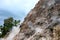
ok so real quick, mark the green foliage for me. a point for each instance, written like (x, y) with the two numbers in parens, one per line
(7, 26)
(1, 30)
(1, 26)
(16, 22)
(8, 22)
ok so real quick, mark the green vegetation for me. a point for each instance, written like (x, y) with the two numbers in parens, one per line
(16, 22)
(7, 26)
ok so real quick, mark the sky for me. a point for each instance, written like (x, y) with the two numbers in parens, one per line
(15, 8)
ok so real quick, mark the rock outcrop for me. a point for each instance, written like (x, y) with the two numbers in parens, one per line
(42, 22)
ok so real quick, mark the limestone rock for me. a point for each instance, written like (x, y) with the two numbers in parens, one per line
(42, 22)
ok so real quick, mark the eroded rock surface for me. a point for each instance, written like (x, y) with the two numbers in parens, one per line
(42, 22)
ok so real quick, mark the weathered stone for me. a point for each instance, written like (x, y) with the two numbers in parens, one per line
(42, 22)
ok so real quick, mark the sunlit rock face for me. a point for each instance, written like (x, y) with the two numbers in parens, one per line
(42, 22)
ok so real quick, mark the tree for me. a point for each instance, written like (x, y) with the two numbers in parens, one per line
(7, 26)
(8, 23)
(16, 22)
(0, 29)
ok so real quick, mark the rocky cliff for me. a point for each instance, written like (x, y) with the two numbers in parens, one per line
(42, 22)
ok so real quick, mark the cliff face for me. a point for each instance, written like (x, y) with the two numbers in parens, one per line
(42, 22)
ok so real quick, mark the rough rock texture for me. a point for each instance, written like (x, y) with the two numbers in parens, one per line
(42, 22)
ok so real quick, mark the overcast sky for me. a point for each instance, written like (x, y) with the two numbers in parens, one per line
(15, 8)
